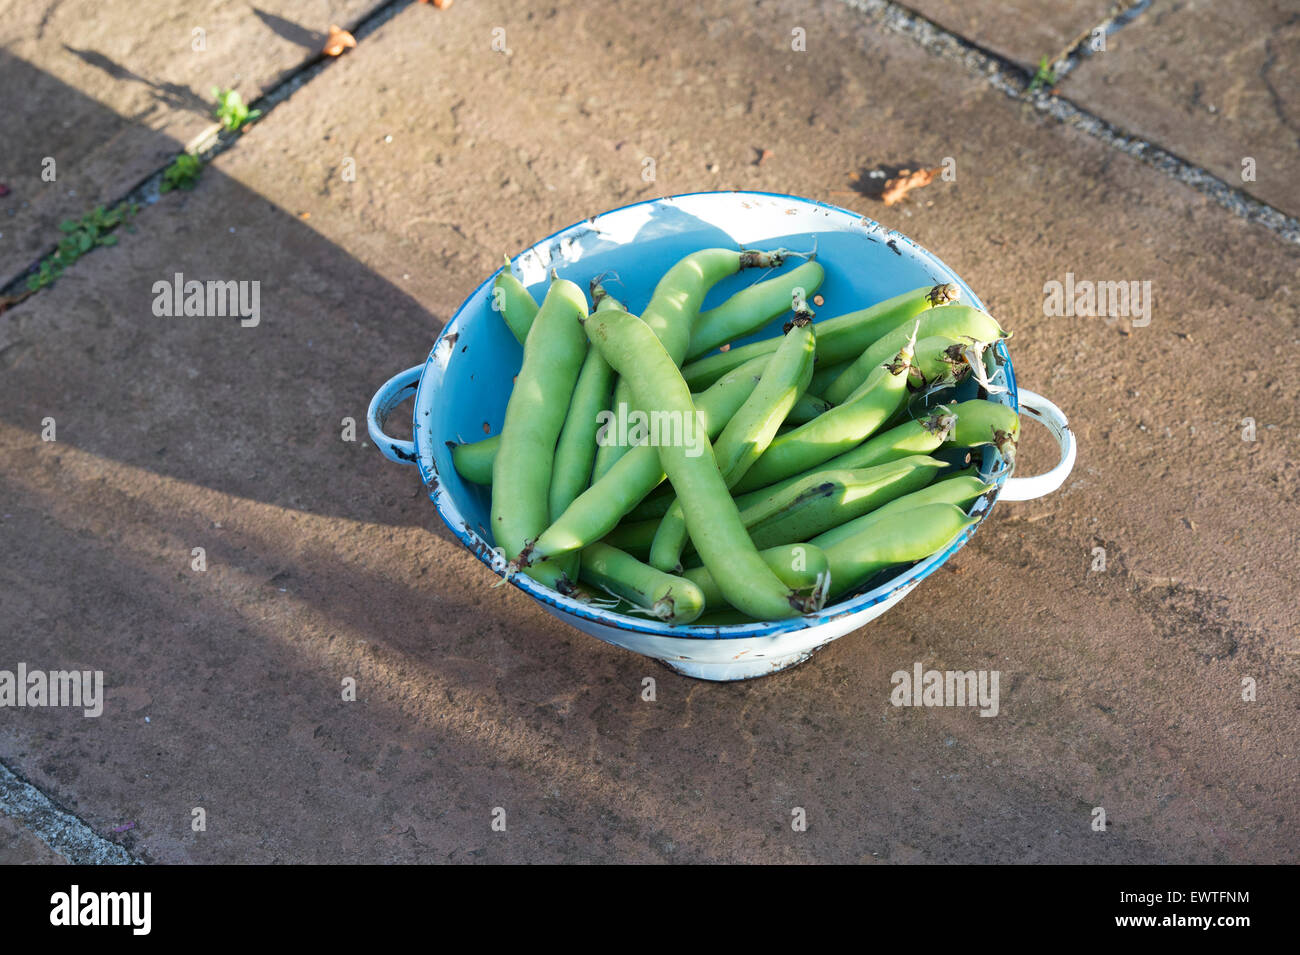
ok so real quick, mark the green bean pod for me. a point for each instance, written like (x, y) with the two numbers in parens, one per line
(899, 538)
(654, 505)
(609, 453)
(801, 567)
(837, 430)
(517, 307)
(832, 498)
(747, 583)
(986, 422)
(674, 600)
(914, 437)
(959, 489)
(750, 431)
(521, 474)
(598, 510)
(957, 322)
(824, 374)
(678, 296)
(635, 537)
(474, 461)
(807, 408)
(576, 451)
(920, 436)
(672, 310)
(842, 338)
(750, 309)
(759, 505)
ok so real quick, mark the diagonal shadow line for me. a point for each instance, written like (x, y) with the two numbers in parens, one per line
(216, 141)
(446, 706)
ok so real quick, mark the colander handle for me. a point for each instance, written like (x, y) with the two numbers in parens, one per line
(1028, 488)
(391, 394)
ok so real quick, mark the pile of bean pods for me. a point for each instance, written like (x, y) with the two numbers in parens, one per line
(787, 473)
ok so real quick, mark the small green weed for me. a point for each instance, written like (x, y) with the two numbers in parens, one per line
(1045, 78)
(183, 173)
(232, 111)
(93, 229)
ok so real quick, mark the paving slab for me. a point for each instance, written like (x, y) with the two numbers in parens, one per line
(1023, 31)
(110, 91)
(1214, 83)
(20, 846)
(1122, 687)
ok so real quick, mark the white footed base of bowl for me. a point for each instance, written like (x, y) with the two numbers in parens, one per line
(721, 659)
(740, 669)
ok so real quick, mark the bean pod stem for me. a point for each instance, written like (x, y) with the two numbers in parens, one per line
(956, 322)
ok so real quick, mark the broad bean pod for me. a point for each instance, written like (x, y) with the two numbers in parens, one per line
(521, 474)
(518, 308)
(838, 429)
(747, 583)
(750, 309)
(801, 567)
(839, 339)
(750, 431)
(673, 309)
(899, 538)
(576, 451)
(832, 498)
(674, 600)
(957, 322)
(959, 489)
(596, 511)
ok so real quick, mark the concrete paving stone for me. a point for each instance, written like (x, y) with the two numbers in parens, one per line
(1215, 83)
(1121, 688)
(112, 90)
(1023, 31)
(20, 846)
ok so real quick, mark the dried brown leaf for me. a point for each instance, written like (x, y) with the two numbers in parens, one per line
(338, 41)
(895, 189)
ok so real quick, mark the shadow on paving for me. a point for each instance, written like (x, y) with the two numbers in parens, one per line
(43, 118)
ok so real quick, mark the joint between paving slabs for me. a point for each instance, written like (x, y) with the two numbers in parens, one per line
(62, 830)
(1000, 72)
(210, 143)
(1017, 83)
(1080, 48)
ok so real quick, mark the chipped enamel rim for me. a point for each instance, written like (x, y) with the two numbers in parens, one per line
(430, 383)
